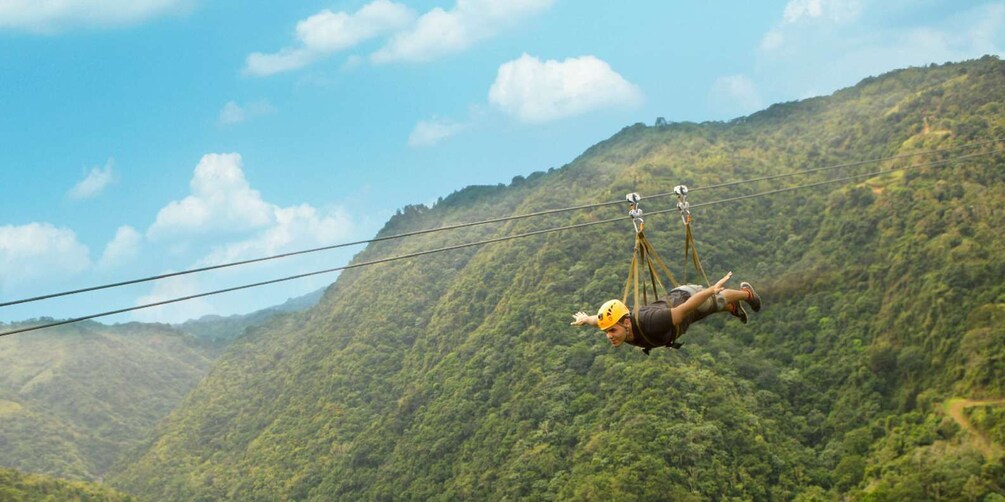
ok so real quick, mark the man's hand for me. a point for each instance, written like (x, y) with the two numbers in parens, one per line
(719, 286)
(580, 318)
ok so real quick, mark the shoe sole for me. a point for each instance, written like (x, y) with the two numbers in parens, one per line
(755, 303)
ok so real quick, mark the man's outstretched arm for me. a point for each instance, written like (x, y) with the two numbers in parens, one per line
(681, 311)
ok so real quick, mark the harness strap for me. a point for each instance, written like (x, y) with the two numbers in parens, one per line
(644, 253)
(690, 251)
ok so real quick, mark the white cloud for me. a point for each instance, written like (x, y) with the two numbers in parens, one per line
(93, 183)
(839, 11)
(431, 132)
(233, 113)
(263, 65)
(439, 32)
(811, 16)
(169, 289)
(50, 16)
(436, 33)
(221, 201)
(39, 252)
(223, 204)
(536, 91)
(772, 40)
(735, 93)
(124, 247)
(797, 9)
(330, 32)
(296, 228)
(327, 32)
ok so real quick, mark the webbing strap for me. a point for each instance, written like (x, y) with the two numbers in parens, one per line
(643, 253)
(660, 263)
(631, 273)
(690, 251)
(645, 256)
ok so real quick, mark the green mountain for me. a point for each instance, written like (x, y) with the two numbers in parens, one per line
(19, 487)
(456, 375)
(75, 397)
(225, 328)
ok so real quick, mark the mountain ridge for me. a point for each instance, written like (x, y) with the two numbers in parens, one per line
(458, 377)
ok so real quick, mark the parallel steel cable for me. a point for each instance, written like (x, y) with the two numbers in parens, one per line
(464, 225)
(300, 276)
(306, 251)
(478, 243)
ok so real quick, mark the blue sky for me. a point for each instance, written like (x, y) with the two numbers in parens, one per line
(148, 136)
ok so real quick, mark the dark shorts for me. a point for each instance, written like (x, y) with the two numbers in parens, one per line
(682, 293)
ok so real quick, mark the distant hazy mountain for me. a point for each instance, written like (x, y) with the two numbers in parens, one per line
(73, 398)
(214, 327)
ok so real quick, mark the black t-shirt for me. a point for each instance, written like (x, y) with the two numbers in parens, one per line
(654, 326)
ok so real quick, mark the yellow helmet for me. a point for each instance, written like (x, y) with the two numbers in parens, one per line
(610, 313)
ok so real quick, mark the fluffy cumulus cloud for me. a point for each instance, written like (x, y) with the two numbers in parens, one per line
(225, 220)
(810, 15)
(50, 16)
(233, 113)
(540, 91)
(39, 253)
(772, 40)
(431, 132)
(221, 200)
(232, 219)
(122, 249)
(295, 228)
(328, 32)
(409, 37)
(735, 94)
(441, 32)
(94, 183)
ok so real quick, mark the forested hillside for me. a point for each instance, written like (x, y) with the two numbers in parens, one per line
(20, 487)
(456, 375)
(224, 329)
(74, 398)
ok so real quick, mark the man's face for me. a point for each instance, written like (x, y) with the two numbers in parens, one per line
(616, 334)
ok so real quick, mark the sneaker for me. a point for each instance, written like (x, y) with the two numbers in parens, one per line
(754, 301)
(737, 310)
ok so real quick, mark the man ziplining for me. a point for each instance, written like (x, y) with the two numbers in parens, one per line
(660, 323)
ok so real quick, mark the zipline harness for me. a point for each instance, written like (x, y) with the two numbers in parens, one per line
(644, 257)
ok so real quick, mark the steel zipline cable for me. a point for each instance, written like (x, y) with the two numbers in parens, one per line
(476, 223)
(480, 243)
(306, 251)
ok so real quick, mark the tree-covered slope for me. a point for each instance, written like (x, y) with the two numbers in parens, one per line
(74, 398)
(223, 329)
(456, 375)
(19, 487)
